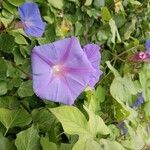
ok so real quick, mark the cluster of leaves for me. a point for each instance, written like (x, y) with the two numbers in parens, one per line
(28, 123)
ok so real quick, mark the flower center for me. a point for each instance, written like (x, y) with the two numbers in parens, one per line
(28, 23)
(56, 69)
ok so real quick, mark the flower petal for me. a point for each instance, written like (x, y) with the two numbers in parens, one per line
(56, 90)
(39, 66)
(147, 45)
(31, 18)
(57, 51)
(92, 52)
(29, 11)
(36, 29)
(76, 83)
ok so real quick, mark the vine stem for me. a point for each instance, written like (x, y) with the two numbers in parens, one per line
(114, 59)
(29, 76)
(6, 132)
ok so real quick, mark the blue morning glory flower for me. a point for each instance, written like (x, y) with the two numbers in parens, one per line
(138, 102)
(31, 19)
(147, 45)
(123, 128)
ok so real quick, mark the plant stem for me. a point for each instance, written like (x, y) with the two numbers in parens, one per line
(29, 76)
(6, 132)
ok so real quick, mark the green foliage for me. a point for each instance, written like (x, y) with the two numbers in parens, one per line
(14, 118)
(16, 2)
(76, 123)
(3, 88)
(28, 139)
(106, 16)
(57, 4)
(25, 89)
(6, 144)
(46, 144)
(4, 44)
(43, 119)
(29, 123)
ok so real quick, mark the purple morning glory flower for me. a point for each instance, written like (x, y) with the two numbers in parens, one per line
(92, 52)
(147, 45)
(31, 19)
(123, 128)
(138, 102)
(61, 70)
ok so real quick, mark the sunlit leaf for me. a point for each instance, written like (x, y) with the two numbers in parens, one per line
(28, 140)
(14, 118)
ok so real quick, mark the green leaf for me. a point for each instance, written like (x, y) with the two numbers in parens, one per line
(114, 71)
(99, 3)
(12, 9)
(3, 88)
(96, 124)
(25, 89)
(78, 28)
(94, 99)
(14, 118)
(102, 36)
(119, 91)
(91, 144)
(14, 82)
(139, 137)
(43, 119)
(88, 2)
(114, 31)
(92, 103)
(49, 33)
(28, 140)
(16, 2)
(9, 102)
(106, 16)
(146, 109)
(80, 144)
(57, 4)
(72, 120)
(121, 112)
(125, 86)
(100, 93)
(18, 58)
(130, 29)
(110, 145)
(12, 72)
(64, 146)
(19, 39)
(6, 144)
(129, 84)
(144, 77)
(6, 18)
(46, 144)
(3, 69)
(6, 42)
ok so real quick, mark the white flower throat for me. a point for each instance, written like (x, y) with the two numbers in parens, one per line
(56, 69)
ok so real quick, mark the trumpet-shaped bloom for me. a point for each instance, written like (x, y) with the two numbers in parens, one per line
(61, 70)
(139, 101)
(31, 19)
(92, 52)
(147, 45)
